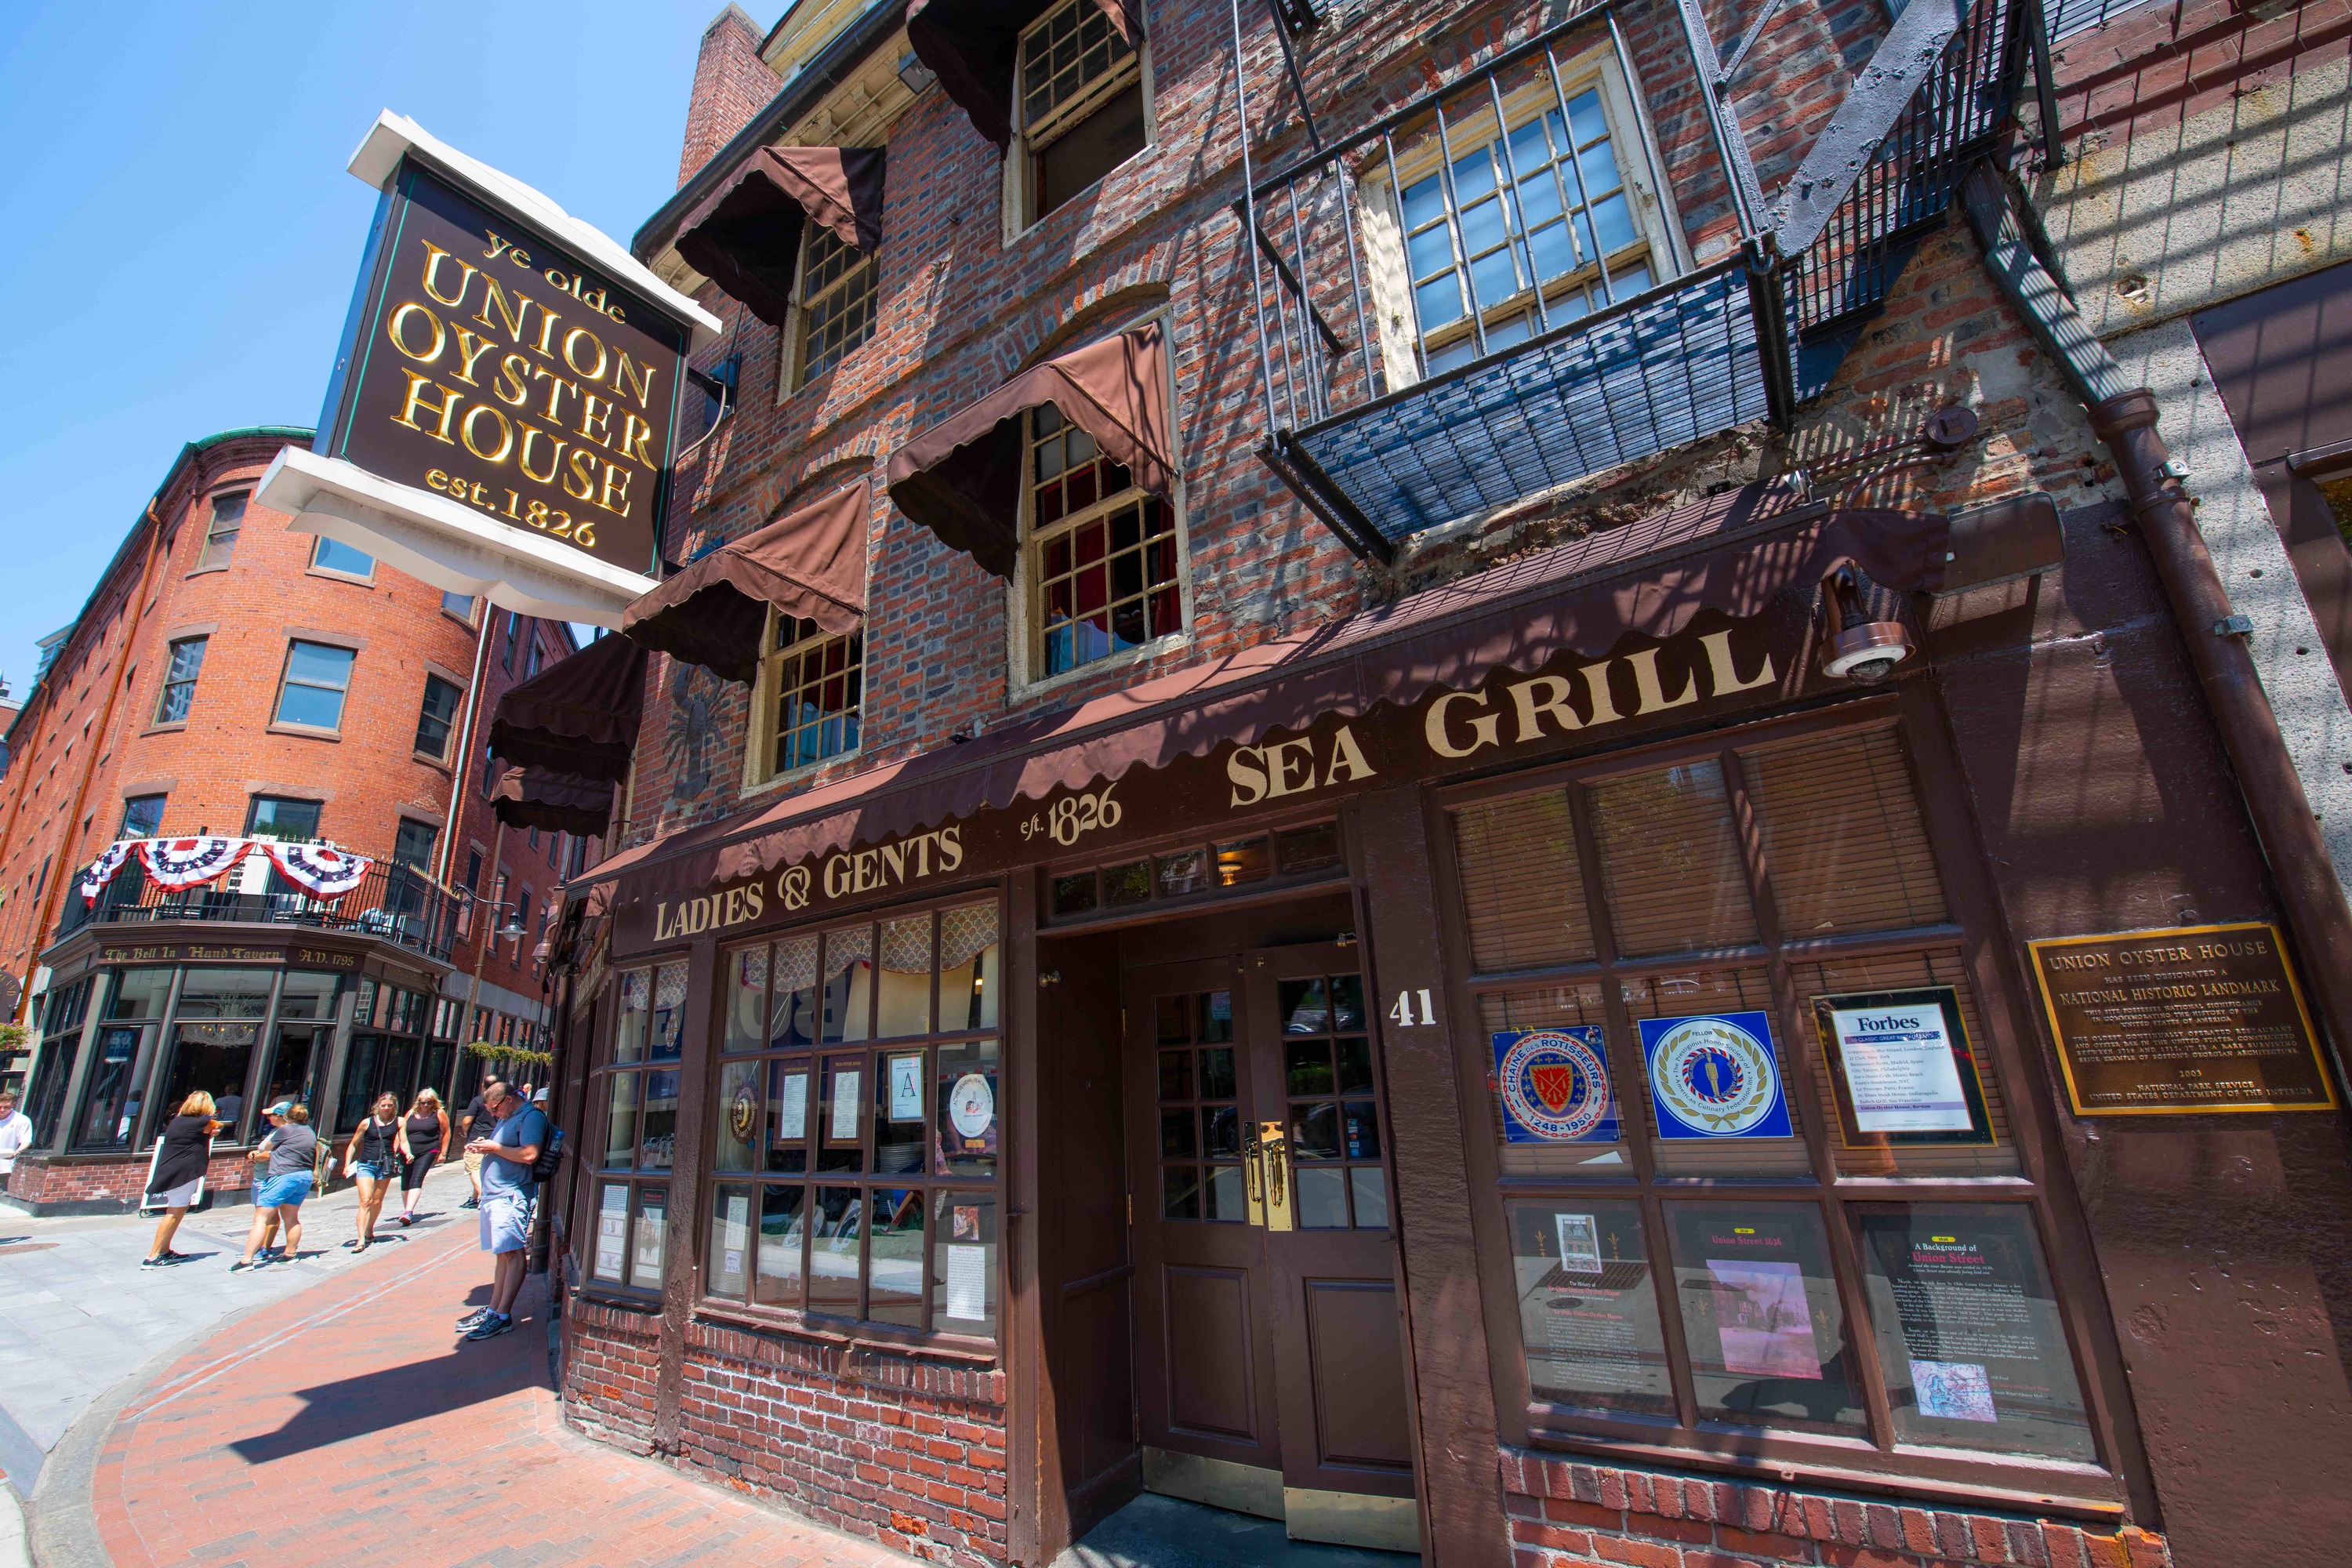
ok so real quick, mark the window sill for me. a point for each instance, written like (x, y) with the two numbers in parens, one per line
(334, 576)
(175, 727)
(616, 1297)
(1141, 653)
(1087, 196)
(306, 732)
(430, 760)
(798, 776)
(201, 571)
(959, 1349)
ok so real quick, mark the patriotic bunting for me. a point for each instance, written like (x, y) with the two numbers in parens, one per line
(324, 873)
(102, 869)
(190, 862)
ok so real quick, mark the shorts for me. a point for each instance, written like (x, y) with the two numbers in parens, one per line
(505, 1221)
(411, 1174)
(285, 1191)
(371, 1169)
(182, 1196)
(473, 1164)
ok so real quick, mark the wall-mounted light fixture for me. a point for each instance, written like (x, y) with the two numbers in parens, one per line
(1859, 649)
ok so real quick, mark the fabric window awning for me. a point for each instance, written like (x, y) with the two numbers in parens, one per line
(553, 802)
(577, 716)
(974, 46)
(1732, 554)
(810, 562)
(961, 478)
(745, 235)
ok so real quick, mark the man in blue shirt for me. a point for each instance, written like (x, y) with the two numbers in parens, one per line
(508, 1153)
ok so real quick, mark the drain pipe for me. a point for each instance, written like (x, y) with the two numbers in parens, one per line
(2124, 416)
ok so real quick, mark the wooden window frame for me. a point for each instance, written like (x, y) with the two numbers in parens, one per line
(759, 772)
(854, 283)
(220, 541)
(636, 1177)
(170, 682)
(2040, 1186)
(1032, 138)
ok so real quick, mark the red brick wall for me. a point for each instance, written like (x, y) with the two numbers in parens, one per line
(906, 1452)
(2157, 65)
(40, 1180)
(1565, 1514)
(732, 84)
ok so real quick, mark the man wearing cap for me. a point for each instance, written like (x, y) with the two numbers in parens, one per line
(508, 1154)
(277, 1199)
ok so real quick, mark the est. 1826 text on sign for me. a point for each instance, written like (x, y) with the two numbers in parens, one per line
(484, 363)
(2198, 1019)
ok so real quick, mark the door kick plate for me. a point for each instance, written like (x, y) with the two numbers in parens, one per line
(1219, 1483)
(1351, 1518)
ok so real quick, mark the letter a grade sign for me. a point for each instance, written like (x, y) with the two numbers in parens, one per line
(506, 403)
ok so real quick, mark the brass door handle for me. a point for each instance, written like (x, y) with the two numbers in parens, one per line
(1252, 1174)
(1273, 1143)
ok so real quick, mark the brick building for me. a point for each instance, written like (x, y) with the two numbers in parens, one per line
(230, 678)
(1427, 873)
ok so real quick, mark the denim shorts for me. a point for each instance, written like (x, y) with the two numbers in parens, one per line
(371, 1169)
(284, 1192)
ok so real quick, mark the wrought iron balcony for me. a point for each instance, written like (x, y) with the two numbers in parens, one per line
(392, 903)
(1458, 306)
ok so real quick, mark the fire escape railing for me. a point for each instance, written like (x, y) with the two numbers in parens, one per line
(1380, 444)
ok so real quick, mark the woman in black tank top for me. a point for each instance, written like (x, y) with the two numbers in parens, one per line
(426, 1126)
(373, 1156)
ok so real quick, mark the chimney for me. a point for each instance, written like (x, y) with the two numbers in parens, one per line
(732, 84)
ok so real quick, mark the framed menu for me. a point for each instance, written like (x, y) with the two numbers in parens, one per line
(1903, 1068)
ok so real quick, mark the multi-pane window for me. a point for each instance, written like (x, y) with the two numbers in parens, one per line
(318, 676)
(514, 633)
(220, 532)
(459, 605)
(180, 672)
(437, 716)
(814, 683)
(142, 816)
(636, 1092)
(1749, 1133)
(857, 1126)
(413, 844)
(1102, 550)
(275, 816)
(837, 301)
(1081, 102)
(1524, 232)
(334, 555)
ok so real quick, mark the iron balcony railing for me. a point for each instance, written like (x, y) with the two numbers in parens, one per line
(1445, 323)
(392, 903)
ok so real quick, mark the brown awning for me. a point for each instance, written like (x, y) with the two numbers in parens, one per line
(961, 478)
(579, 715)
(971, 46)
(556, 803)
(745, 235)
(809, 563)
(1731, 553)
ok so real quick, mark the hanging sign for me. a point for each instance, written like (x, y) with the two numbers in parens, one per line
(1902, 1068)
(2200, 1018)
(1554, 1086)
(1715, 1076)
(504, 407)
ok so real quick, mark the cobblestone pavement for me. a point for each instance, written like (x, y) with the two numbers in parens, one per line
(348, 1423)
(77, 1314)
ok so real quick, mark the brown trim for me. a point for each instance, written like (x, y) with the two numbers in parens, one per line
(195, 629)
(288, 791)
(306, 732)
(353, 578)
(333, 639)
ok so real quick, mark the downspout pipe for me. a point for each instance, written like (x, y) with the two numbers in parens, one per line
(2124, 417)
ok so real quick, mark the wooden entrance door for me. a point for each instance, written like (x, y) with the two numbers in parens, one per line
(1271, 1363)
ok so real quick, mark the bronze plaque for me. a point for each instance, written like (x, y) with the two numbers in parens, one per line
(485, 363)
(2203, 1018)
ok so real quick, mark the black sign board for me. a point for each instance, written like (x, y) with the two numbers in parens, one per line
(485, 363)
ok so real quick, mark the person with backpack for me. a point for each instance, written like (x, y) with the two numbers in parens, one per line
(511, 1154)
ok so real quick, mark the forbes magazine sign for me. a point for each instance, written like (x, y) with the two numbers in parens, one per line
(488, 363)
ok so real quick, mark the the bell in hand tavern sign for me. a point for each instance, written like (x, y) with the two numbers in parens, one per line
(504, 404)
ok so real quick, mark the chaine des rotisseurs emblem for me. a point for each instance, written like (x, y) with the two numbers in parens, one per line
(1554, 1085)
(1715, 1076)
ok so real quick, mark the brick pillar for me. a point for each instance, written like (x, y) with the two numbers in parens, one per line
(732, 84)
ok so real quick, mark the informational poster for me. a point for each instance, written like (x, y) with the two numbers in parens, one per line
(792, 1104)
(967, 1294)
(2200, 1018)
(1761, 1315)
(1588, 1306)
(845, 1105)
(1967, 1329)
(737, 1235)
(1554, 1086)
(906, 1087)
(612, 1232)
(653, 1214)
(1715, 1076)
(1762, 1320)
(1901, 1067)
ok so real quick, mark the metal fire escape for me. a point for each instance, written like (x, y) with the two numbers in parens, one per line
(1381, 443)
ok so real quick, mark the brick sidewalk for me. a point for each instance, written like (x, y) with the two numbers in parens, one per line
(347, 1425)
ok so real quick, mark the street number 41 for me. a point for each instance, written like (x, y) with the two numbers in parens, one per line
(1402, 1011)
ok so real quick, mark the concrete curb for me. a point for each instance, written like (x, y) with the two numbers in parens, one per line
(13, 1551)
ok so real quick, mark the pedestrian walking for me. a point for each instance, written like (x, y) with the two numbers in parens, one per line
(508, 1155)
(373, 1157)
(279, 1199)
(179, 1174)
(477, 1121)
(427, 1126)
(16, 1133)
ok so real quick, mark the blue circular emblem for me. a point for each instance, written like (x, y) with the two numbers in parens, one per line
(1713, 1076)
(1554, 1085)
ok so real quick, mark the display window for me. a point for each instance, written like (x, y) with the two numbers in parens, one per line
(634, 1099)
(855, 1138)
(1753, 1149)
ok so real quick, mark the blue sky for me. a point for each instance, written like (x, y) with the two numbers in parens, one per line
(181, 237)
